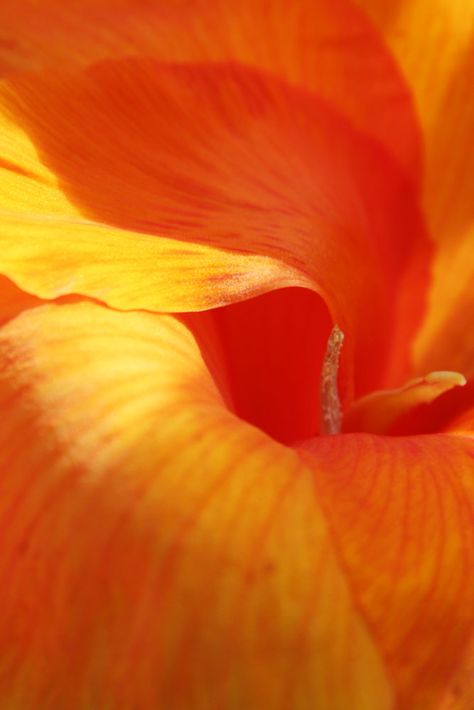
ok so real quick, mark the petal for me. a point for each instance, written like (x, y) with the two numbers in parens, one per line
(460, 694)
(156, 551)
(439, 415)
(51, 249)
(216, 183)
(182, 557)
(401, 513)
(13, 301)
(378, 411)
(434, 45)
(464, 421)
(446, 338)
(273, 348)
(329, 48)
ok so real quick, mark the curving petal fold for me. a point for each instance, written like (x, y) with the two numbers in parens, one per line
(181, 556)
(182, 187)
(155, 549)
(379, 411)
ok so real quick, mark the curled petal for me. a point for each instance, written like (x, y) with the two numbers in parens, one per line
(182, 187)
(379, 411)
(180, 556)
(155, 549)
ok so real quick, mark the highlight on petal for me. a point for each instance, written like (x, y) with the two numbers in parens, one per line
(183, 187)
(379, 411)
(401, 515)
(155, 549)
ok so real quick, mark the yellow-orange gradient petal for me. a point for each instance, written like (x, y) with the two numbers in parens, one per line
(401, 514)
(50, 248)
(157, 552)
(216, 182)
(160, 551)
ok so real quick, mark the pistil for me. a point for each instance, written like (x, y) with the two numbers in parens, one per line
(331, 417)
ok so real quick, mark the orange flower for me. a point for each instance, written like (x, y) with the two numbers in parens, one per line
(191, 194)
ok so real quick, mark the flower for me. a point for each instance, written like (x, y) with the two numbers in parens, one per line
(192, 195)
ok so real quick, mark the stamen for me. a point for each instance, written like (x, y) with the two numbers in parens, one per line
(331, 417)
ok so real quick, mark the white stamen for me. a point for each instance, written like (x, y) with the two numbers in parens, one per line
(331, 417)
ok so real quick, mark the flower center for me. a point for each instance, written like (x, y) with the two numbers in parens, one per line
(277, 360)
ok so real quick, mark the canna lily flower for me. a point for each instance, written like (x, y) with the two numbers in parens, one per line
(236, 347)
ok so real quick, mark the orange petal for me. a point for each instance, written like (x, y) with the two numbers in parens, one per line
(156, 550)
(329, 48)
(180, 556)
(460, 693)
(401, 513)
(378, 412)
(13, 301)
(52, 250)
(446, 338)
(463, 423)
(216, 183)
(434, 45)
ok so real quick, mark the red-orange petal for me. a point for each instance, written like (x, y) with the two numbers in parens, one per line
(401, 513)
(330, 48)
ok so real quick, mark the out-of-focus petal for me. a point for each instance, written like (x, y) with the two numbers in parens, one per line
(156, 551)
(464, 422)
(216, 183)
(13, 300)
(434, 46)
(459, 694)
(378, 411)
(438, 415)
(401, 514)
(328, 47)
(446, 338)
